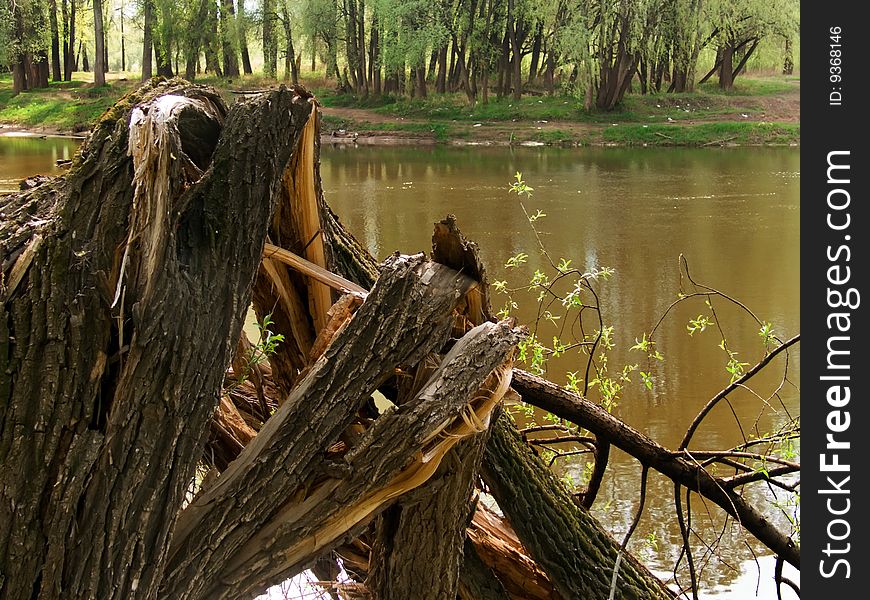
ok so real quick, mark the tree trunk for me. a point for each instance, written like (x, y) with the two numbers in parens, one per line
(19, 76)
(281, 537)
(441, 79)
(726, 67)
(163, 55)
(788, 58)
(374, 57)
(516, 58)
(270, 43)
(291, 68)
(56, 73)
(418, 547)
(361, 48)
(419, 542)
(420, 81)
(100, 42)
(549, 522)
(133, 379)
(242, 27)
(41, 70)
(147, 40)
(106, 49)
(212, 40)
(536, 53)
(65, 59)
(193, 41)
(476, 580)
(123, 49)
(745, 59)
(229, 34)
(72, 64)
(19, 66)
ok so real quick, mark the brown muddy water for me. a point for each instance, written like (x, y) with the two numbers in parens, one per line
(733, 213)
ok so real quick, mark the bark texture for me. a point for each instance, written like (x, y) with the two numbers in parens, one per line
(118, 311)
(549, 523)
(419, 542)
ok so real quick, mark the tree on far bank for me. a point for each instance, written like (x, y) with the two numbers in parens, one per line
(99, 42)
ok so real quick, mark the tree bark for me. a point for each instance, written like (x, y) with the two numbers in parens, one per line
(419, 543)
(229, 36)
(270, 43)
(242, 26)
(71, 63)
(116, 327)
(788, 58)
(334, 494)
(418, 547)
(100, 42)
(476, 579)
(163, 55)
(291, 67)
(516, 58)
(549, 522)
(147, 40)
(212, 40)
(56, 73)
(726, 67)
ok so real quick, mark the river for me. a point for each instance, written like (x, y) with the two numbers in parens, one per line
(733, 213)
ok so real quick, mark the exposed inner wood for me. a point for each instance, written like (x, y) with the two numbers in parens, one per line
(305, 205)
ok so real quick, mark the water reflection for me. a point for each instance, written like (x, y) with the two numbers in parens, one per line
(734, 214)
(24, 156)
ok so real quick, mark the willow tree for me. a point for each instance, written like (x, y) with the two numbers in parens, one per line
(739, 27)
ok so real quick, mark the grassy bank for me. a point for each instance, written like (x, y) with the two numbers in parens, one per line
(764, 110)
(67, 106)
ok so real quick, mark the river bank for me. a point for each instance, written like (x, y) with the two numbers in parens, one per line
(759, 112)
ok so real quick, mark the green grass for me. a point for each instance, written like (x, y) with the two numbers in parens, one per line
(69, 105)
(434, 129)
(703, 134)
(652, 119)
(454, 107)
(707, 102)
(752, 86)
(555, 136)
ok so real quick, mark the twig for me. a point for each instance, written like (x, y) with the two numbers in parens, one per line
(719, 142)
(630, 531)
(732, 386)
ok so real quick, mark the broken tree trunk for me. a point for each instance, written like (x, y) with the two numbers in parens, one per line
(120, 315)
(575, 551)
(397, 567)
(305, 226)
(418, 545)
(300, 500)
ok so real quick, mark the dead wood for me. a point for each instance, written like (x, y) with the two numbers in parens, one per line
(418, 543)
(302, 503)
(119, 319)
(548, 521)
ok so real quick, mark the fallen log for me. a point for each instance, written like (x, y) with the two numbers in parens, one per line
(548, 521)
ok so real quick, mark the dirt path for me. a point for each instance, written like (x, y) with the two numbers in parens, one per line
(369, 124)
